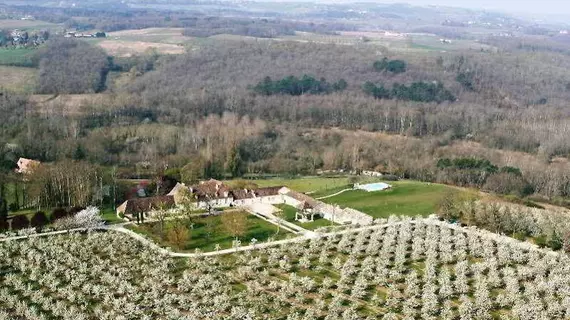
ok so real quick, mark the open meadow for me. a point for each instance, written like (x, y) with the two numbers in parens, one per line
(158, 35)
(408, 198)
(25, 24)
(403, 43)
(313, 185)
(18, 79)
(127, 43)
(21, 57)
(122, 48)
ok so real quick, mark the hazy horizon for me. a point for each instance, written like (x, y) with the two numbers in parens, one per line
(549, 7)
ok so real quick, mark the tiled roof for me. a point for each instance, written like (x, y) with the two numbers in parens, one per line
(212, 189)
(267, 192)
(134, 206)
(240, 194)
(302, 198)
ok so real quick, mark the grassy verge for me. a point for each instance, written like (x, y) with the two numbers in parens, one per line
(409, 198)
(110, 216)
(206, 232)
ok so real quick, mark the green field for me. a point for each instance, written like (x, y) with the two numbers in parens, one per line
(110, 216)
(21, 57)
(316, 185)
(408, 198)
(29, 25)
(199, 239)
(289, 215)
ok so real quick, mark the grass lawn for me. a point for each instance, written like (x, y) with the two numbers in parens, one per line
(110, 216)
(289, 215)
(312, 184)
(16, 57)
(409, 198)
(256, 228)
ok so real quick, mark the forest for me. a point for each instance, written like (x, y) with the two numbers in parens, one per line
(495, 120)
(368, 168)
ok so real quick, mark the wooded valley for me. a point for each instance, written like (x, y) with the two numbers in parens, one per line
(234, 107)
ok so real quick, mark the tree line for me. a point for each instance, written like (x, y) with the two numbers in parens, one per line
(198, 110)
(71, 66)
(417, 91)
(393, 66)
(483, 174)
(294, 86)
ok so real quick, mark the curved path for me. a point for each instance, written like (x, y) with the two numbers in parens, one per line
(482, 233)
(53, 233)
(120, 228)
(334, 194)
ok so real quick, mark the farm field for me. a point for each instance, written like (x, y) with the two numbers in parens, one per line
(159, 35)
(18, 79)
(127, 43)
(25, 24)
(71, 104)
(121, 48)
(409, 270)
(409, 198)
(394, 41)
(207, 232)
(21, 57)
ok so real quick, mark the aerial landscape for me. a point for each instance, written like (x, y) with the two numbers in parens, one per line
(284, 160)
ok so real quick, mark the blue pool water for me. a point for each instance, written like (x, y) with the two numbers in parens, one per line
(379, 186)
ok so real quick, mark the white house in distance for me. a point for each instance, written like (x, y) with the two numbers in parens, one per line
(371, 173)
(26, 166)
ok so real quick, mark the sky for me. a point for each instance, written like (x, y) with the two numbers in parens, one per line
(556, 7)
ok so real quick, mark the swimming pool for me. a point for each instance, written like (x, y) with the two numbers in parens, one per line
(378, 186)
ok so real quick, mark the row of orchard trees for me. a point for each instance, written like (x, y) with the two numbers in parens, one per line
(546, 227)
(403, 270)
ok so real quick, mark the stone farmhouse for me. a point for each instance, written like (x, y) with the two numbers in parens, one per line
(215, 194)
(306, 203)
